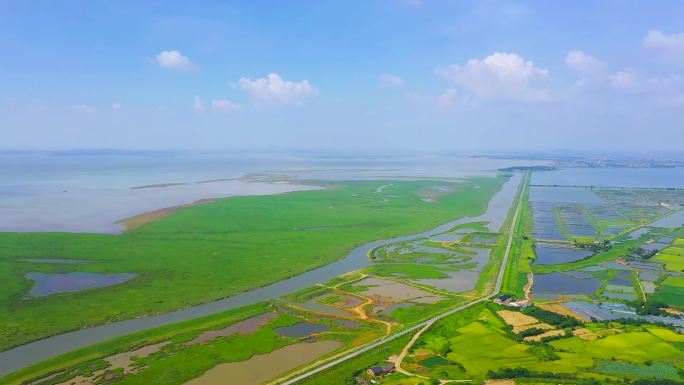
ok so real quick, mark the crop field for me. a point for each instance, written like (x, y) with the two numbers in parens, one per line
(671, 292)
(477, 343)
(211, 251)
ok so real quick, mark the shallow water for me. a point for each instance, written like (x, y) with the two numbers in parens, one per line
(77, 192)
(261, 368)
(671, 221)
(321, 308)
(300, 330)
(613, 177)
(47, 283)
(561, 283)
(563, 195)
(247, 326)
(548, 253)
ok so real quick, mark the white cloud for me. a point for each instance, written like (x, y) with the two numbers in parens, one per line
(116, 106)
(274, 90)
(197, 104)
(85, 108)
(583, 63)
(500, 75)
(174, 60)
(389, 80)
(448, 98)
(224, 105)
(672, 45)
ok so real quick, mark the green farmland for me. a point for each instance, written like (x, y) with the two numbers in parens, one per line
(476, 344)
(203, 253)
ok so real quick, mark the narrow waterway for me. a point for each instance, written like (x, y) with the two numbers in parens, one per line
(31, 353)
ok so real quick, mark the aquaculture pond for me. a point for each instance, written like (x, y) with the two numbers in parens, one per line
(561, 212)
(549, 253)
(48, 283)
(622, 278)
(565, 284)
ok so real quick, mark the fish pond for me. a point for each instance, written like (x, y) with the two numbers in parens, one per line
(565, 284)
(549, 253)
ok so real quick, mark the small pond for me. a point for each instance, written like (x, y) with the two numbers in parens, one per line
(561, 283)
(615, 295)
(548, 254)
(301, 329)
(48, 283)
(622, 277)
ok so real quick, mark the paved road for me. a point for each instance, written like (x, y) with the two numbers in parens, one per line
(426, 324)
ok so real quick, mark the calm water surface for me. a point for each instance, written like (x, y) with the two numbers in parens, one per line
(91, 193)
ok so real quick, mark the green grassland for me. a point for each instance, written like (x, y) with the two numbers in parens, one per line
(207, 252)
(673, 257)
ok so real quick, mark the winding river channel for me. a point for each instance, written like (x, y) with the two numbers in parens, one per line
(31, 353)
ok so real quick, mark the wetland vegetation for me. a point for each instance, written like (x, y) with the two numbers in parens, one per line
(206, 252)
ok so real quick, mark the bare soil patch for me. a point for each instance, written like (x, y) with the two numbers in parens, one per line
(550, 333)
(142, 219)
(247, 326)
(562, 310)
(515, 318)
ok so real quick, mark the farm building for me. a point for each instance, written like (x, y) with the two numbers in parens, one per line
(381, 370)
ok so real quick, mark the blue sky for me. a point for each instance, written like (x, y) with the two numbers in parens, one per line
(343, 75)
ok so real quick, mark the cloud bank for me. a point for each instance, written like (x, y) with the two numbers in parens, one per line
(274, 90)
(500, 75)
(174, 60)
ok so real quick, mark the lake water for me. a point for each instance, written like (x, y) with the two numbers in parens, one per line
(77, 192)
(613, 177)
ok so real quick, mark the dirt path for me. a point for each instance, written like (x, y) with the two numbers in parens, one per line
(528, 286)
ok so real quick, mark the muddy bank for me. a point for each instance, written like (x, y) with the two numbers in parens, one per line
(247, 326)
(141, 219)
